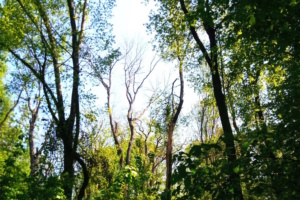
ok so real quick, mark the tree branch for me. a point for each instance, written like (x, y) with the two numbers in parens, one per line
(11, 109)
(195, 35)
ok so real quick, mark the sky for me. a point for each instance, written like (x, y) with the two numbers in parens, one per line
(129, 19)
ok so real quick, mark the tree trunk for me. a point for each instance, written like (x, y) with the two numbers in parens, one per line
(114, 128)
(234, 179)
(68, 173)
(201, 123)
(71, 141)
(130, 121)
(33, 155)
(175, 114)
(169, 159)
(212, 61)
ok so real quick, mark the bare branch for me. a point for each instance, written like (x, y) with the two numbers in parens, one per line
(11, 109)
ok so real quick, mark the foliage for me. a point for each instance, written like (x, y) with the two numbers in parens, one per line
(14, 166)
(249, 48)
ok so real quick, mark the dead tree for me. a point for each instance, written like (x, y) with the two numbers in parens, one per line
(107, 83)
(175, 111)
(133, 67)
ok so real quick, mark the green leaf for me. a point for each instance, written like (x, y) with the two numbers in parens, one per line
(207, 170)
(245, 146)
(252, 20)
(236, 169)
(193, 171)
(134, 173)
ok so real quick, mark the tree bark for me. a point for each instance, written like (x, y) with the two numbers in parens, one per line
(169, 157)
(114, 127)
(131, 126)
(201, 124)
(33, 155)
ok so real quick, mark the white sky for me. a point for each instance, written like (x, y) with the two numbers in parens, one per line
(129, 17)
(128, 24)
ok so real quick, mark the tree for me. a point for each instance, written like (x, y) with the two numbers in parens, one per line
(172, 119)
(241, 58)
(13, 156)
(245, 43)
(98, 68)
(270, 30)
(31, 107)
(206, 16)
(56, 43)
(6, 108)
(132, 68)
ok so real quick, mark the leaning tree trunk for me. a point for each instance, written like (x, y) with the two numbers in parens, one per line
(114, 128)
(212, 60)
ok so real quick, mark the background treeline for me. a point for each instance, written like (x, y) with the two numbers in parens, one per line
(241, 57)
